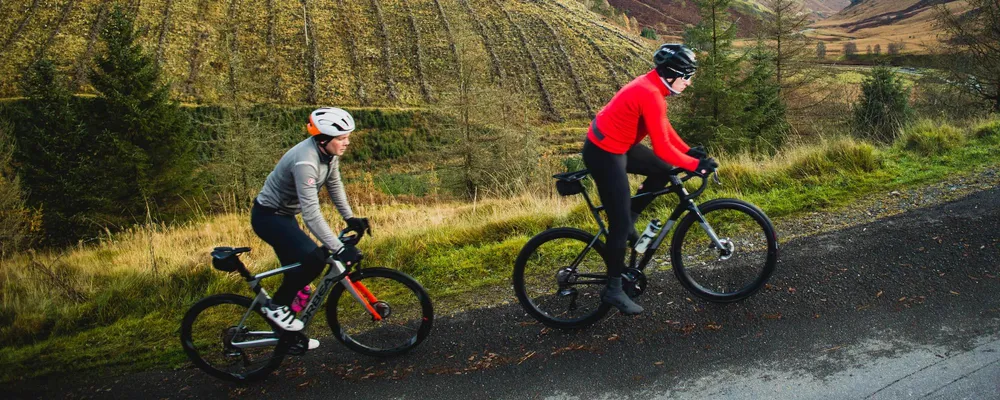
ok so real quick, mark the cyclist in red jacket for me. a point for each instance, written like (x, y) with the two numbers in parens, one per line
(612, 150)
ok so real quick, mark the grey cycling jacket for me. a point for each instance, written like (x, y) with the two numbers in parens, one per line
(294, 185)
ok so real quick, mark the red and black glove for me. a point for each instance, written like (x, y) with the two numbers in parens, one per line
(706, 166)
(698, 152)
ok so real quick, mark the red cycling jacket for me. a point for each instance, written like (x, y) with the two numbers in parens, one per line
(637, 110)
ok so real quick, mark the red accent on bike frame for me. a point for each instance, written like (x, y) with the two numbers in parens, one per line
(364, 291)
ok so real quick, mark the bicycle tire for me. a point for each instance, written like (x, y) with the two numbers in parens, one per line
(198, 358)
(761, 250)
(531, 306)
(359, 339)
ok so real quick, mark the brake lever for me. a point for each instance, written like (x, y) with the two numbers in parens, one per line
(715, 177)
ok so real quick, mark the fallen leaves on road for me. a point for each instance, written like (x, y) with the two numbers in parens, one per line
(572, 347)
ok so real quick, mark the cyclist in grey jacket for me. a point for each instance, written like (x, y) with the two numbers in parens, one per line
(292, 188)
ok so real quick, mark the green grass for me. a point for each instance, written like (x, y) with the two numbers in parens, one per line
(931, 138)
(130, 319)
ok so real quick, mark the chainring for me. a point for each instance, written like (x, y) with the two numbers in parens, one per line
(297, 343)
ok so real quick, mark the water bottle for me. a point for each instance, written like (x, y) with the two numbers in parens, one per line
(302, 299)
(647, 236)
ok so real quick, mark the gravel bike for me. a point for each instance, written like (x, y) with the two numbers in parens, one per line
(723, 250)
(373, 311)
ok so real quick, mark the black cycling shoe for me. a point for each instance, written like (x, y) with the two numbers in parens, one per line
(615, 296)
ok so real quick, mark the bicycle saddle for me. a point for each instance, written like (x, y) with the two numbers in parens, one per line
(226, 252)
(572, 176)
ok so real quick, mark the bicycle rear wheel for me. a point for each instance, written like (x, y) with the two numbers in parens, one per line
(558, 280)
(741, 267)
(212, 325)
(403, 306)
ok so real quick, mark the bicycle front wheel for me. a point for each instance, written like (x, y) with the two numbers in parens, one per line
(558, 278)
(212, 334)
(403, 308)
(740, 267)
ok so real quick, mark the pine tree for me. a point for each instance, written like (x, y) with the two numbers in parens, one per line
(714, 102)
(149, 133)
(15, 217)
(783, 29)
(765, 124)
(883, 108)
(55, 157)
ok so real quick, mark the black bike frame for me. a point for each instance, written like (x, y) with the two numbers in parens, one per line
(686, 204)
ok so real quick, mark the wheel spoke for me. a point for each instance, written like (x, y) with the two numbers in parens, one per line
(401, 300)
(738, 269)
(550, 263)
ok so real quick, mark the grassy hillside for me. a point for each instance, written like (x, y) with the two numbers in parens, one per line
(871, 22)
(672, 17)
(345, 52)
(86, 307)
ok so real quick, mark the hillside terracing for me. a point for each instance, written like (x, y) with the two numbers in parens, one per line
(392, 53)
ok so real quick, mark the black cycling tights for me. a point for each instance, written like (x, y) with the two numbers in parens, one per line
(292, 245)
(609, 172)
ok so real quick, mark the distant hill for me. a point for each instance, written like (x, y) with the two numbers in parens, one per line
(344, 52)
(825, 8)
(671, 17)
(870, 22)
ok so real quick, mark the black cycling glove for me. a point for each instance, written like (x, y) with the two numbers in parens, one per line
(698, 152)
(359, 225)
(349, 255)
(706, 166)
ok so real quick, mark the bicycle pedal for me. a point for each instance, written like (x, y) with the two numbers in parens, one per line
(297, 350)
(297, 343)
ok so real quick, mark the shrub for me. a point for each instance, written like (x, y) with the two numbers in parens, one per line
(990, 129)
(931, 138)
(648, 33)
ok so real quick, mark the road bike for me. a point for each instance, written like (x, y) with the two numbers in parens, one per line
(723, 250)
(374, 311)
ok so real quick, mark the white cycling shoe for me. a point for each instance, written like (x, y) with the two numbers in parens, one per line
(284, 318)
(313, 344)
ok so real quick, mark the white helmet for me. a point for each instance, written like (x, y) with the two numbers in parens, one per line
(330, 121)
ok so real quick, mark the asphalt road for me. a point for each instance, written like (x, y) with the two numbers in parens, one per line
(904, 307)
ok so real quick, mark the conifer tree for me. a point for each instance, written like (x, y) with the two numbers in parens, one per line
(55, 157)
(883, 108)
(150, 134)
(714, 102)
(765, 126)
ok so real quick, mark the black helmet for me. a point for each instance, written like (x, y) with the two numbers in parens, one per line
(674, 61)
